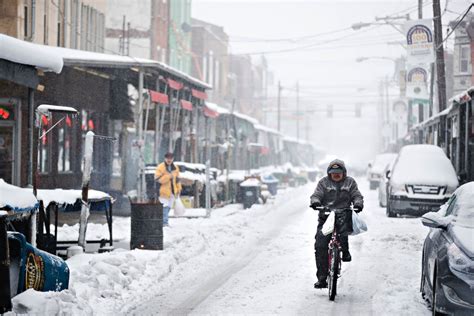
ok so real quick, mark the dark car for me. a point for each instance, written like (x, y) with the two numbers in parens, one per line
(447, 278)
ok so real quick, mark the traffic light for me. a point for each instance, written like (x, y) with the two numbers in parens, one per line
(330, 111)
(358, 110)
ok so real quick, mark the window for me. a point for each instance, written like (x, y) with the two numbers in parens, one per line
(64, 145)
(44, 151)
(451, 204)
(464, 58)
(25, 20)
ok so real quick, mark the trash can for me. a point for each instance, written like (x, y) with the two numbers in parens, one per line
(272, 184)
(146, 225)
(250, 192)
(34, 268)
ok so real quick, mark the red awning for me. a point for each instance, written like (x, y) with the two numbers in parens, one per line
(210, 112)
(158, 97)
(199, 94)
(175, 84)
(186, 105)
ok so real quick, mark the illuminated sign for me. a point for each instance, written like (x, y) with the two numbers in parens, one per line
(6, 113)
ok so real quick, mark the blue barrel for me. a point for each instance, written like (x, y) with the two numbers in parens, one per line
(36, 269)
(272, 184)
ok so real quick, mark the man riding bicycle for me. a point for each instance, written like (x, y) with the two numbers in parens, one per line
(335, 191)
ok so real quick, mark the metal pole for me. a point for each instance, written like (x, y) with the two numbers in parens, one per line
(279, 106)
(86, 175)
(297, 110)
(5, 295)
(31, 119)
(420, 9)
(140, 134)
(438, 42)
(208, 188)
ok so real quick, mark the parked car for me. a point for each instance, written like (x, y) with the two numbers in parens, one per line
(376, 172)
(422, 179)
(447, 275)
(383, 184)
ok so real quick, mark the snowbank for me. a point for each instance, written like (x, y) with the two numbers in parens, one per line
(109, 283)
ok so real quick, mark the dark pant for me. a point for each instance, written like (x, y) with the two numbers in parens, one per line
(321, 252)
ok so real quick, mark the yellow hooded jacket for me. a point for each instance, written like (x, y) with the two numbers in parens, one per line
(168, 179)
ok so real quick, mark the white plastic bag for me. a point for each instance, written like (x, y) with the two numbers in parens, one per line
(358, 224)
(328, 226)
(179, 208)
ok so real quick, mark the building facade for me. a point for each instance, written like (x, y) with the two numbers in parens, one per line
(462, 64)
(138, 29)
(78, 24)
(179, 35)
(210, 59)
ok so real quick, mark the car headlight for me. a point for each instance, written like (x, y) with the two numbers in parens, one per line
(398, 187)
(449, 190)
(458, 261)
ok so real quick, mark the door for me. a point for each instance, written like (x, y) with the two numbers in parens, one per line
(7, 156)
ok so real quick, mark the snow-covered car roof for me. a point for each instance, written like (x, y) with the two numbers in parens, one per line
(381, 161)
(424, 164)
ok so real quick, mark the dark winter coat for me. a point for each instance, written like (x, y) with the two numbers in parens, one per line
(337, 195)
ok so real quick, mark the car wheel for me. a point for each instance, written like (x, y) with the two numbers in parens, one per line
(388, 211)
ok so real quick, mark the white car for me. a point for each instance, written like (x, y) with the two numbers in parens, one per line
(421, 180)
(376, 172)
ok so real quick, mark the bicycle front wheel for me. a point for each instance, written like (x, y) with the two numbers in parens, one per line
(333, 272)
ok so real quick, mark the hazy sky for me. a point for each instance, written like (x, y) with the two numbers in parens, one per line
(320, 47)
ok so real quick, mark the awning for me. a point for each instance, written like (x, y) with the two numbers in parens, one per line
(175, 84)
(186, 105)
(199, 94)
(210, 112)
(158, 97)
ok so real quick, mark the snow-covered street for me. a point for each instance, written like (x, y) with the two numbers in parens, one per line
(257, 261)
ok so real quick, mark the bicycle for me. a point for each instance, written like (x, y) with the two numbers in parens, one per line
(334, 254)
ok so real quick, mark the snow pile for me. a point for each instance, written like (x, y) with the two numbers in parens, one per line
(26, 53)
(15, 198)
(424, 164)
(61, 196)
(464, 208)
(108, 283)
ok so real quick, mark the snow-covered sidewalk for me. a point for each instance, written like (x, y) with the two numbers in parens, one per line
(115, 282)
(256, 261)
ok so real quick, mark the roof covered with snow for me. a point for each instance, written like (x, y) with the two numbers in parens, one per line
(26, 53)
(217, 108)
(78, 57)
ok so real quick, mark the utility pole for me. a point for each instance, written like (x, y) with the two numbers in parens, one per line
(420, 9)
(297, 110)
(438, 42)
(279, 106)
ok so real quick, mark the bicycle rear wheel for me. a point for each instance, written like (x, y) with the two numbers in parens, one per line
(333, 272)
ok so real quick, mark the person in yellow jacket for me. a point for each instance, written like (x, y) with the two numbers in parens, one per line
(167, 175)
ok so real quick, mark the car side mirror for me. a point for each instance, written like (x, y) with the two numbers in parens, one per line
(434, 220)
(387, 174)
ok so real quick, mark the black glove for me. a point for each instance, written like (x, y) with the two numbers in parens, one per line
(314, 205)
(358, 209)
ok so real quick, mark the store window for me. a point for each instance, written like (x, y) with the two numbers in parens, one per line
(44, 145)
(64, 145)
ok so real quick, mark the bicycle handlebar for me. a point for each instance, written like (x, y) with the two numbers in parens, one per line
(335, 210)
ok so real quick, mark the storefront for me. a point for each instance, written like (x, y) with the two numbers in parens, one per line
(10, 126)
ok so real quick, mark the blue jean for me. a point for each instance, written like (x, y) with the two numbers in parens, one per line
(166, 211)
